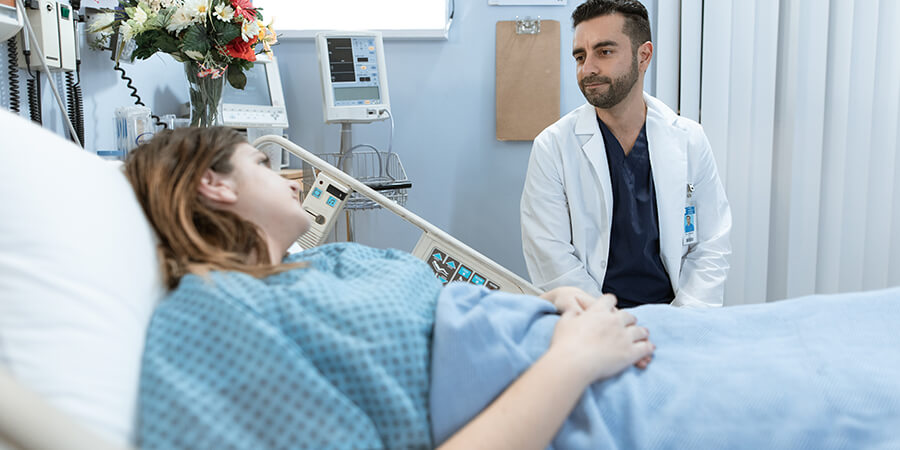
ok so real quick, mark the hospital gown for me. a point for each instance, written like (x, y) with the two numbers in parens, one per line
(330, 356)
(363, 349)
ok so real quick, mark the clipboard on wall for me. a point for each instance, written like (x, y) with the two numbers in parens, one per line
(527, 83)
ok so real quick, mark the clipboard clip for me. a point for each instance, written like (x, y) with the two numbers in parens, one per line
(528, 25)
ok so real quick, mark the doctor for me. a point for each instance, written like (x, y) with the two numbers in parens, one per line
(612, 185)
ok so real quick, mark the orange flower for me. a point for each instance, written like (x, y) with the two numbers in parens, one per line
(237, 48)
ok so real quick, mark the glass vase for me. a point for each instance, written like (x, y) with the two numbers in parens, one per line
(205, 90)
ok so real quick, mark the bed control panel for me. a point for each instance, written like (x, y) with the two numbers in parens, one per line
(448, 268)
(323, 202)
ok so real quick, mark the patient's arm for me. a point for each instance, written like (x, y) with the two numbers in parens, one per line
(587, 347)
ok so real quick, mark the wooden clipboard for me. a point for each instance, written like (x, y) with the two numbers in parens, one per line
(527, 83)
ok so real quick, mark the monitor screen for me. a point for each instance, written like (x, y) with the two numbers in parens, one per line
(353, 64)
(256, 92)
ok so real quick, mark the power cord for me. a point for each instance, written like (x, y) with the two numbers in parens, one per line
(12, 54)
(134, 92)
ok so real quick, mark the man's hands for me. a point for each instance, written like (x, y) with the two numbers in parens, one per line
(600, 339)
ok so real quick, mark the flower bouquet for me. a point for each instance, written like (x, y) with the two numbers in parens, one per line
(217, 40)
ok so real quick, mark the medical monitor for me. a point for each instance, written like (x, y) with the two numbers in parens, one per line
(261, 102)
(354, 79)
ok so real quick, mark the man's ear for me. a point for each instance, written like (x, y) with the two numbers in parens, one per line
(645, 53)
(217, 188)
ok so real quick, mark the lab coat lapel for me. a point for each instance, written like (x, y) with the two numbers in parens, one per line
(668, 161)
(588, 132)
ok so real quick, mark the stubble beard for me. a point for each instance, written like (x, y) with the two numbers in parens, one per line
(617, 91)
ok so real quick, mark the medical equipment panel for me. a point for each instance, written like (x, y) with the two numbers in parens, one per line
(46, 29)
(450, 266)
(449, 258)
(261, 102)
(325, 199)
(354, 80)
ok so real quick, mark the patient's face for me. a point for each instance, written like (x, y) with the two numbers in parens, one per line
(266, 198)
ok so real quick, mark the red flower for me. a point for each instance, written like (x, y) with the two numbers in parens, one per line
(237, 48)
(244, 8)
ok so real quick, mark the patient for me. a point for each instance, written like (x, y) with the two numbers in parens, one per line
(328, 348)
(344, 346)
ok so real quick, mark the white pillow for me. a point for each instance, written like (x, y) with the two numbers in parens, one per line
(79, 277)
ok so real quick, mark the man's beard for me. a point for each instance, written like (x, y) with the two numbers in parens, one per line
(617, 91)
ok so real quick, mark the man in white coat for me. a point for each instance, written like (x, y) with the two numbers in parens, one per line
(612, 186)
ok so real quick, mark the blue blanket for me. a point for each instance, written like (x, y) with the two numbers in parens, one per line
(330, 356)
(819, 372)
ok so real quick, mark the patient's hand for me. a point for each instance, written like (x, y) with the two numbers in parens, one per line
(568, 298)
(602, 341)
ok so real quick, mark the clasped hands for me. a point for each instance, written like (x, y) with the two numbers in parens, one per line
(605, 338)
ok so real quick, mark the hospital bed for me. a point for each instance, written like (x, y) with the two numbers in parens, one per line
(449, 258)
(79, 278)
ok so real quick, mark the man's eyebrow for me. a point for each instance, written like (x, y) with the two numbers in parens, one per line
(605, 44)
(578, 50)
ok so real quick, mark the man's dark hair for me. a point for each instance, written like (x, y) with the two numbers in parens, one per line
(637, 21)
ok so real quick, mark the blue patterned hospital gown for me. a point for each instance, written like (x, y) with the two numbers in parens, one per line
(335, 355)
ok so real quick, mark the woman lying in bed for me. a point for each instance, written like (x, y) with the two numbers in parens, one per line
(351, 347)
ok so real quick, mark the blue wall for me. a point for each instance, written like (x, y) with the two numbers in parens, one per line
(442, 99)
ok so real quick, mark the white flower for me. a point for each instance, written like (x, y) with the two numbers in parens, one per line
(139, 16)
(224, 12)
(101, 22)
(197, 9)
(179, 21)
(126, 31)
(249, 30)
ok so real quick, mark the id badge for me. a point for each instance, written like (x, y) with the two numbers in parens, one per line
(690, 218)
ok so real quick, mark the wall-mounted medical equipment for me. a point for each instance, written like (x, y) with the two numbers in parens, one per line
(354, 79)
(261, 102)
(449, 258)
(54, 25)
(47, 42)
(10, 19)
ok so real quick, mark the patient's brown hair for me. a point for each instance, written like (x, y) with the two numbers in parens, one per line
(194, 237)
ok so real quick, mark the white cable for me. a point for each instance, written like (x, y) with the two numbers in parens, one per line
(40, 55)
(391, 139)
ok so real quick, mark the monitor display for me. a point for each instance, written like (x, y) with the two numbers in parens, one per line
(350, 94)
(261, 102)
(354, 80)
(256, 92)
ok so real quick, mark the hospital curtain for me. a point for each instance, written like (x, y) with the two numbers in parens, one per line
(799, 99)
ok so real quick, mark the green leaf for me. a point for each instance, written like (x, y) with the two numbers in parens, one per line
(161, 19)
(195, 39)
(236, 76)
(166, 43)
(225, 32)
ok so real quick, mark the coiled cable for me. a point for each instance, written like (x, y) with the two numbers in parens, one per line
(34, 97)
(134, 93)
(12, 53)
(74, 105)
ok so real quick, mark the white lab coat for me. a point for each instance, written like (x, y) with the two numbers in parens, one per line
(567, 204)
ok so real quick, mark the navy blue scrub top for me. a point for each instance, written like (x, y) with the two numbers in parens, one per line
(634, 271)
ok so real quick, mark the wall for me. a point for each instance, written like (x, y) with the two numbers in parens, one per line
(442, 98)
